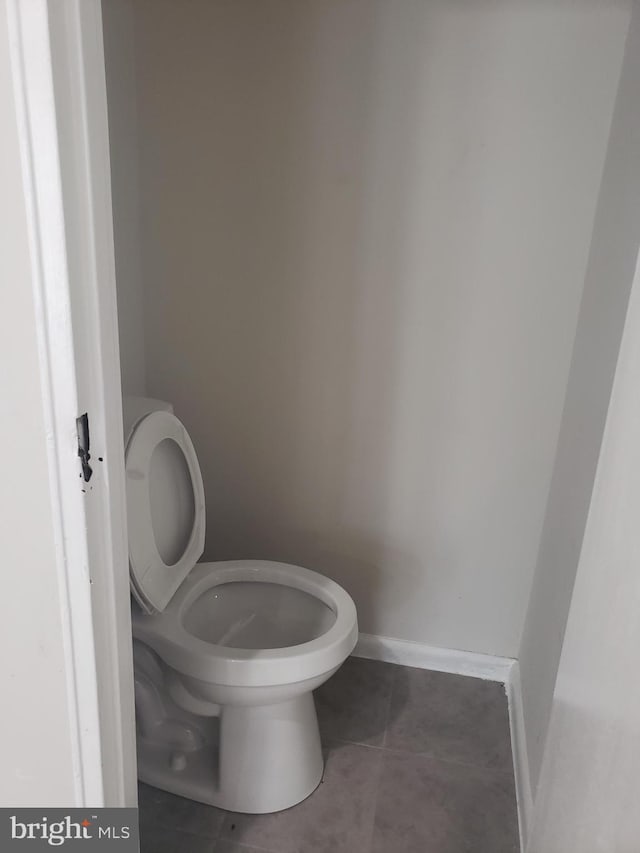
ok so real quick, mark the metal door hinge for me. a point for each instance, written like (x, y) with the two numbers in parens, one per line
(82, 429)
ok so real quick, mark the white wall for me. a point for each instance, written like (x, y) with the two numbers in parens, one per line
(118, 33)
(36, 742)
(608, 282)
(365, 230)
(588, 794)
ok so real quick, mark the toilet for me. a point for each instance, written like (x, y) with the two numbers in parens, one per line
(226, 654)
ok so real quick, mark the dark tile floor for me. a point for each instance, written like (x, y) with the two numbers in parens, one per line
(416, 762)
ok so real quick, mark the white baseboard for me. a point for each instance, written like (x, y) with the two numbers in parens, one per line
(520, 759)
(489, 667)
(407, 653)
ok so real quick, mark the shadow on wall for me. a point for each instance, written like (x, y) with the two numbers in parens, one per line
(608, 281)
(332, 302)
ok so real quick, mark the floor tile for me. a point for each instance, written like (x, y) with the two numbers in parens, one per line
(160, 839)
(354, 704)
(163, 809)
(336, 818)
(426, 805)
(450, 716)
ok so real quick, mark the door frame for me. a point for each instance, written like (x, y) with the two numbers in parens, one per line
(58, 70)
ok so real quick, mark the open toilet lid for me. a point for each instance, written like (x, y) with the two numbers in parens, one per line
(165, 508)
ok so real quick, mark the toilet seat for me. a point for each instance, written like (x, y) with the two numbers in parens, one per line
(153, 581)
(168, 636)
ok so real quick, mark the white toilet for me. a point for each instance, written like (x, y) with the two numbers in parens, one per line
(226, 654)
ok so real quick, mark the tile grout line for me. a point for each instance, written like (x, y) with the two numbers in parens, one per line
(376, 797)
(382, 749)
(389, 704)
(430, 755)
(248, 847)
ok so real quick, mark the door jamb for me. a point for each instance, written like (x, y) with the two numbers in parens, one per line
(57, 60)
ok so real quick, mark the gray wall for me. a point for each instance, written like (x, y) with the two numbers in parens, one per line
(119, 49)
(612, 260)
(364, 232)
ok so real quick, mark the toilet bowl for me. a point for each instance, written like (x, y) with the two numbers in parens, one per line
(226, 654)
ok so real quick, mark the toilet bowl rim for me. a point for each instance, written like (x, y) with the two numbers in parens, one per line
(224, 665)
(205, 576)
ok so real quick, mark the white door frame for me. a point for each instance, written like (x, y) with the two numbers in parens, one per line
(58, 72)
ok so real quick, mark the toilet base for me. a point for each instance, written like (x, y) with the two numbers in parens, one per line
(266, 758)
